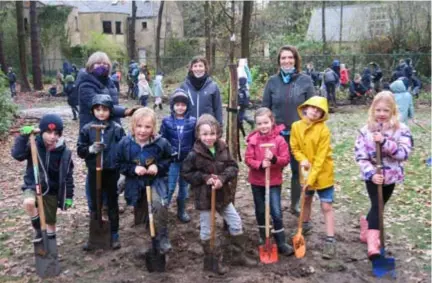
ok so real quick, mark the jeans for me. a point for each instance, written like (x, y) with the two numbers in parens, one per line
(275, 206)
(295, 182)
(12, 87)
(173, 177)
(373, 215)
(331, 92)
(229, 214)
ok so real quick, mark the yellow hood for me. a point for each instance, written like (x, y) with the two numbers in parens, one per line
(317, 101)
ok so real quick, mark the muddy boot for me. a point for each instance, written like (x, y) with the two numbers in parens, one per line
(181, 212)
(239, 257)
(160, 106)
(164, 242)
(38, 236)
(363, 229)
(295, 196)
(373, 243)
(207, 266)
(329, 250)
(262, 235)
(115, 241)
(283, 247)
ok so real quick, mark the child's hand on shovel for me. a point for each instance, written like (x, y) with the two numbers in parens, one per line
(152, 170)
(217, 184)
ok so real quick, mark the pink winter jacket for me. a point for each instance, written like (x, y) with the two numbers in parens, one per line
(395, 149)
(255, 155)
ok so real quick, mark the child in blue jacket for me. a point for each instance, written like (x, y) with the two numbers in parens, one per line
(179, 129)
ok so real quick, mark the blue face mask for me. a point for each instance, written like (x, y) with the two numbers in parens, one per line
(101, 71)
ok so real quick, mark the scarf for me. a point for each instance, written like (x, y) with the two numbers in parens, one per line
(197, 83)
(286, 77)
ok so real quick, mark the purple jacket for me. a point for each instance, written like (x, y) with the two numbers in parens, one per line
(395, 149)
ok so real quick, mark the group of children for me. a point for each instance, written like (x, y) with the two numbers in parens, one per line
(191, 151)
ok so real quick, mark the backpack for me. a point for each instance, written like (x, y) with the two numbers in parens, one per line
(330, 77)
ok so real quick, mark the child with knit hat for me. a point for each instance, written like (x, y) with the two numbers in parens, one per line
(55, 171)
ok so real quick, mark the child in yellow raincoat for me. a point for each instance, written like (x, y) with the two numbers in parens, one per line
(310, 144)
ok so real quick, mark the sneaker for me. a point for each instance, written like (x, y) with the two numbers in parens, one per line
(307, 228)
(329, 250)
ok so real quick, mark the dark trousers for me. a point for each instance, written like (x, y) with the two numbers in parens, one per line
(75, 111)
(331, 92)
(143, 100)
(295, 181)
(373, 215)
(109, 187)
(275, 206)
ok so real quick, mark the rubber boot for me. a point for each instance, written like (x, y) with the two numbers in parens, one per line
(181, 212)
(115, 241)
(262, 235)
(363, 229)
(295, 196)
(164, 242)
(373, 243)
(239, 257)
(283, 247)
(220, 269)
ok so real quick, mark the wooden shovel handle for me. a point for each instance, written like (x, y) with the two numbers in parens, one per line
(267, 202)
(149, 203)
(213, 219)
(302, 181)
(380, 194)
(98, 129)
(35, 161)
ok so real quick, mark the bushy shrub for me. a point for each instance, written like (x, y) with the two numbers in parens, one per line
(7, 106)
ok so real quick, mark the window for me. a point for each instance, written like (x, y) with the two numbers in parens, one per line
(76, 24)
(144, 25)
(107, 27)
(118, 28)
(378, 22)
(25, 24)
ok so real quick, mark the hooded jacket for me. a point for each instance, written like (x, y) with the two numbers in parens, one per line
(254, 156)
(181, 140)
(311, 141)
(404, 101)
(198, 167)
(283, 99)
(130, 154)
(366, 78)
(207, 100)
(55, 168)
(89, 86)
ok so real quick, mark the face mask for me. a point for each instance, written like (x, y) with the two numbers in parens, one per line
(289, 70)
(100, 71)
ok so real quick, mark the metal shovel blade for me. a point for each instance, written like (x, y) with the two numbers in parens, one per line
(100, 234)
(47, 264)
(154, 260)
(268, 252)
(382, 266)
(211, 263)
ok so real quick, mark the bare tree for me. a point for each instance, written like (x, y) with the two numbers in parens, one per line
(132, 40)
(158, 33)
(341, 25)
(324, 47)
(247, 14)
(3, 13)
(25, 86)
(232, 40)
(207, 33)
(35, 48)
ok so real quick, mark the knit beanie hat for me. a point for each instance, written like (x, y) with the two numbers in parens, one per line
(179, 95)
(51, 122)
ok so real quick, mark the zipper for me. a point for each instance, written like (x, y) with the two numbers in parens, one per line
(179, 144)
(198, 105)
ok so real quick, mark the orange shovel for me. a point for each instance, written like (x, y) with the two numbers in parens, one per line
(268, 252)
(299, 243)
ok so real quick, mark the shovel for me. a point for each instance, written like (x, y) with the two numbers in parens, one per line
(299, 243)
(211, 260)
(382, 265)
(46, 257)
(100, 230)
(268, 251)
(154, 260)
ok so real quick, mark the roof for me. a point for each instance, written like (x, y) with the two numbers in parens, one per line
(146, 9)
(357, 22)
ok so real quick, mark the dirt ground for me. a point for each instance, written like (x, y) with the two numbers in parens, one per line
(184, 263)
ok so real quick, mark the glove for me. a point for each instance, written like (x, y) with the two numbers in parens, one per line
(26, 130)
(96, 147)
(68, 203)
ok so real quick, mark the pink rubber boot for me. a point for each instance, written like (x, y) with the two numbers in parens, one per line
(373, 243)
(363, 229)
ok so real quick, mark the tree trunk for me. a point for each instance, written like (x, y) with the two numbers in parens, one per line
(158, 32)
(341, 25)
(2, 57)
(232, 126)
(132, 41)
(207, 33)
(247, 14)
(35, 48)
(25, 86)
(232, 39)
(324, 47)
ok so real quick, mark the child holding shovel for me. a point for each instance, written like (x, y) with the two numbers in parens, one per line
(258, 159)
(144, 158)
(88, 149)
(210, 166)
(55, 171)
(383, 126)
(310, 144)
